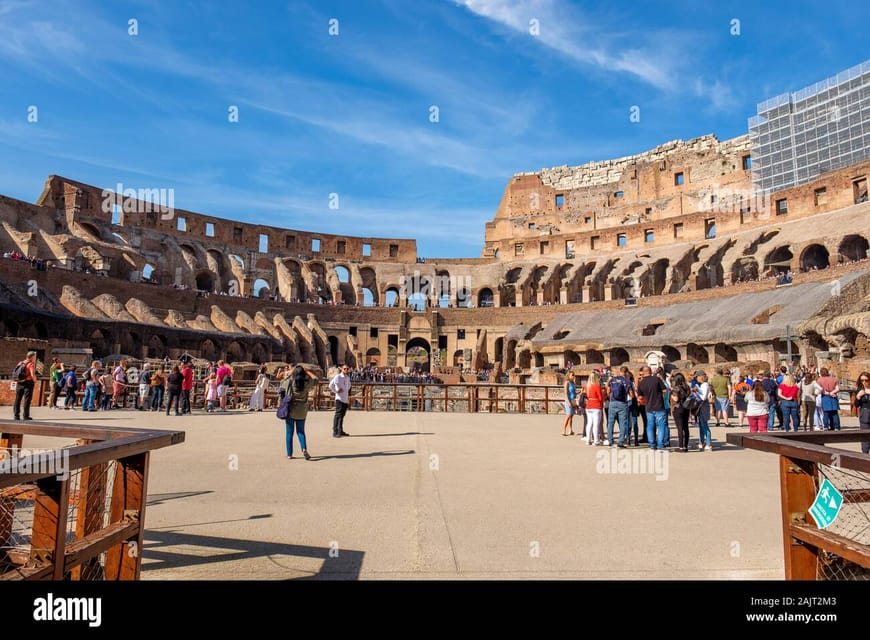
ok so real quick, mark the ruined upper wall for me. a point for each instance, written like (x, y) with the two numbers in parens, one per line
(88, 204)
(674, 179)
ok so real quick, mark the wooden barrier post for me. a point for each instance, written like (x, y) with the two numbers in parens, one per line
(90, 515)
(798, 490)
(47, 543)
(128, 502)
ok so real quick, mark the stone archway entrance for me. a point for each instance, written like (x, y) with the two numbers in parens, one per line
(418, 355)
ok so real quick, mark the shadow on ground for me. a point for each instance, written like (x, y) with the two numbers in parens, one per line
(337, 564)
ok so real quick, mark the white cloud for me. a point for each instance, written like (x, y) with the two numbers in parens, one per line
(560, 27)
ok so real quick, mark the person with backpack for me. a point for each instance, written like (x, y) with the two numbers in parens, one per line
(680, 392)
(296, 388)
(620, 393)
(55, 377)
(24, 376)
(70, 383)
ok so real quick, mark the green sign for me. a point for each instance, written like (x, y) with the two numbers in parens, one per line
(827, 505)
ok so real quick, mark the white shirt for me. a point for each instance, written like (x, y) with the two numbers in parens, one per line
(340, 386)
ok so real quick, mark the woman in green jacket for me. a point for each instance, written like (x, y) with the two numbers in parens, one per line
(296, 387)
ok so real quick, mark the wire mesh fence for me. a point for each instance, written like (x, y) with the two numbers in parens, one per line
(87, 511)
(852, 521)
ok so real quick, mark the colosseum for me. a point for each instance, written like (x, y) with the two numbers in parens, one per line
(691, 249)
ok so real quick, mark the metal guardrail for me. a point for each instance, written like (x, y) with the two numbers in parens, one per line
(840, 551)
(75, 512)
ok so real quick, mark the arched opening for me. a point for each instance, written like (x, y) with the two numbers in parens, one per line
(441, 287)
(208, 351)
(539, 359)
(524, 359)
(370, 281)
(91, 230)
(853, 248)
(656, 277)
(205, 281)
(262, 289)
(485, 298)
(723, 353)
(235, 352)
(697, 353)
(342, 273)
(744, 270)
(391, 297)
(369, 298)
(499, 349)
(392, 356)
(156, 347)
(258, 354)
(671, 353)
(463, 297)
(778, 261)
(417, 301)
(12, 328)
(594, 356)
(458, 360)
(333, 349)
(511, 357)
(814, 257)
(417, 354)
(618, 356)
(373, 357)
(572, 358)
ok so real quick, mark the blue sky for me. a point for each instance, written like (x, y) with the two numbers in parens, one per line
(518, 85)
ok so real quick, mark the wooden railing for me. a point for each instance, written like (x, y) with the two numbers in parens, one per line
(841, 550)
(461, 397)
(57, 523)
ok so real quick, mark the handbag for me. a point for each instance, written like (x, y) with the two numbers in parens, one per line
(830, 403)
(283, 411)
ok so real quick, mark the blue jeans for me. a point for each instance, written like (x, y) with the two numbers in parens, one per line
(658, 422)
(299, 425)
(156, 398)
(90, 396)
(831, 420)
(703, 426)
(790, 411)
(618, 410)
(771, 417)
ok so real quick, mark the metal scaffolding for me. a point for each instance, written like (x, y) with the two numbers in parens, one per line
(795, 137)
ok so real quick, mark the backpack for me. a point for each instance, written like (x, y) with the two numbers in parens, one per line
(581, 400)
(618, 389)
(20, 372)
(692, 402)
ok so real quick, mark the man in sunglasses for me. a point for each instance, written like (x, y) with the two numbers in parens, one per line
(340, 386)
